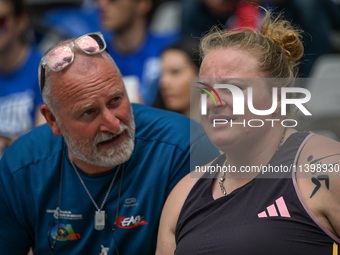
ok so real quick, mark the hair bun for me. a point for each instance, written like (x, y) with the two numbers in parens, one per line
(284, 35)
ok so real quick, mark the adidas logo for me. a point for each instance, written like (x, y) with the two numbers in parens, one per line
(272, 212)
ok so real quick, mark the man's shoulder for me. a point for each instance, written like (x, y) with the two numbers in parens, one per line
(163, 118)
(160, 126)
(31, 148)
(166, 126)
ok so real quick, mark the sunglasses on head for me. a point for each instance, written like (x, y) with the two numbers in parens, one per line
(62, 56)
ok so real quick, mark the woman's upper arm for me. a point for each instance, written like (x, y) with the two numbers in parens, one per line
(319, 180)
(166, 243)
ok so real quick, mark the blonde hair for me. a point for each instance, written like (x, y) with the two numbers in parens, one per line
(278, 41)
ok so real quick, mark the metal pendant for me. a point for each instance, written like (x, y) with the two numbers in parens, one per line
(99, 220)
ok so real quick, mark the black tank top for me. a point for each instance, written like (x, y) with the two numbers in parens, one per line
(266, 216)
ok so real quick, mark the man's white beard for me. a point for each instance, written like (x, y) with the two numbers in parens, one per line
(89, 153)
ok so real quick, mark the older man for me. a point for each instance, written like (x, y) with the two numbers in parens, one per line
(96, 177)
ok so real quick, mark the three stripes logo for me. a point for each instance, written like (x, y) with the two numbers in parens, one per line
(273, 212)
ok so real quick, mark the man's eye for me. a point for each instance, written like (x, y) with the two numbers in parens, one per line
(88, 113)
(115, 101)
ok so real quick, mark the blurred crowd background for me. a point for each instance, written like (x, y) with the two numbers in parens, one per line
(155, 45)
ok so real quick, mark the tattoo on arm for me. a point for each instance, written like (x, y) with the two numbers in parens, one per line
(322, 177)
(319, 159)
(318, 185)
(317, 182)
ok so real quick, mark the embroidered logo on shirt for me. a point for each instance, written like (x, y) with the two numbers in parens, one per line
(104, 251)
(131, 222)
(64, 214)
(272, 211)
(130, 202)
(64, 232)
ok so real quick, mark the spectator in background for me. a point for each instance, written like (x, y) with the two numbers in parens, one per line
(135, 50)
(20, 98)
(180, 62)
(198, 16)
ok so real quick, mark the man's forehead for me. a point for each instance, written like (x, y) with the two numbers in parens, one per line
(86, 70)
(88, 103)
(78, 94)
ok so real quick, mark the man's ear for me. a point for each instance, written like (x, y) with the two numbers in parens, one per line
(50, 119)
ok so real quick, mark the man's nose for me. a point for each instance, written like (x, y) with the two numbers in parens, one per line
(109, 122)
